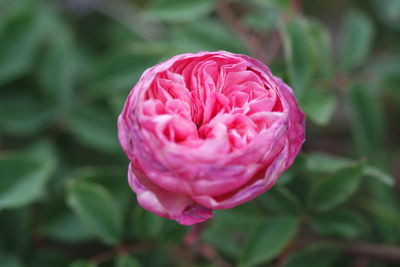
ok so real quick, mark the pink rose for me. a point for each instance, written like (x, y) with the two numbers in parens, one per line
(207, 131)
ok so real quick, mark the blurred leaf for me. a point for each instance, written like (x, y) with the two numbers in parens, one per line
(21, 37)
(181, 10)
(384, 204)
(321, 41)
(126, 261)
(11, 9)
(9, 261)
(268, 240)
(388, 11)
(318, 105)
(47, 258)
(111, 177)
(57, 71)
(298, 48)
(118, 72)
(15, 231)
(226, 231)
(44, 149)
(323, 163)
(320, 255)
(284, 4)
(82, 263)
(94, 127)
(262, 19)
(22, 115)
(380, 175)
(209, 35)
(117, 103)
(281, 200)
(294, 170)
(146, 224)
(367, 123)
(335, 189)
(357, 37)
(341, 223)
(95, 206)
(68, 228)
(23, 179)
(384, 211)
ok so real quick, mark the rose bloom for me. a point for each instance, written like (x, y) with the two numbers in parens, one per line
(207, 131)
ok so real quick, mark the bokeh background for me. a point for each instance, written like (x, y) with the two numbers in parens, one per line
(66, 67)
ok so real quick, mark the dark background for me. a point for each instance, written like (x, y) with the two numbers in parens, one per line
(66, 68)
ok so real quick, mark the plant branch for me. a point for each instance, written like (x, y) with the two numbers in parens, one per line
(212, 255)
(250, 40)
(357, 249)
(370, 250)
(296, 6)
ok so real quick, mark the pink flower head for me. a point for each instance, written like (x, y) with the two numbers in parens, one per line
(207, 131)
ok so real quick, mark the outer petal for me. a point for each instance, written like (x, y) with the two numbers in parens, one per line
(252, 190)
(164, 203)
(296, 129)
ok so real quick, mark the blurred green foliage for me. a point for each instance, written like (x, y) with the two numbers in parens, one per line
(66, 67)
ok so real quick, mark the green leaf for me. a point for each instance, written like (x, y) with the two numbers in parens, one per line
(117, 103)
(321, 42)
(283, 4)
(67, 228)
(145, 224)
(341, 223)
(325, 163)
(268, 241)
(356, 41)
(367, 123)
(95, 127)
(96, 207)
(57, 69)
(383, 203)
(318, 105)
(13, 9)
(384, 212)
(181, 10)
(9, 261)
(82, 263)
(298, 48)
(22, 115)
(126, 261)
(48, 258)
(226, 231)
(335, 189)
(15, 230)
(209, 35)
(320, 255)
(321, 162)
(111, 177)
(281, 200)
(262, 19)
(380, 175)
(388, 11)
(21, 37)
(117, 72)
(23, 179)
